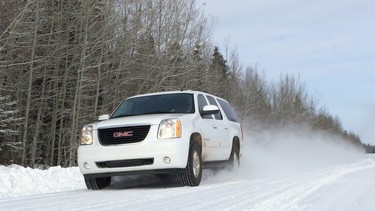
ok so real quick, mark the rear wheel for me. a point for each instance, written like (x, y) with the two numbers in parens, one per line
(234, 159)
(97, 183)
(192, 174)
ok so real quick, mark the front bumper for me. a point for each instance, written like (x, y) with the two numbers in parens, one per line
(146, 156)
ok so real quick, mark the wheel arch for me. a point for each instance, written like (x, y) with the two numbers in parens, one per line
(196, 138)
(236, 143)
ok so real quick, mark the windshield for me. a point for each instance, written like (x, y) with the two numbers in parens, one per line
(156, 104)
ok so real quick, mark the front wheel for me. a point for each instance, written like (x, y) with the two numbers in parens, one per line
(192, 174)
(97, 183)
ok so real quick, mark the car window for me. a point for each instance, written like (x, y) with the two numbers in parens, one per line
(156, 104)
(229, 111)
(212, 101)
(201, 103)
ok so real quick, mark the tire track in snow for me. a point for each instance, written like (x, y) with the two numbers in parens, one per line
(305, 186)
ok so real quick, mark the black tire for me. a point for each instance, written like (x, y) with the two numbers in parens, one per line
(234, 159)
(192, 174)
(97, 183)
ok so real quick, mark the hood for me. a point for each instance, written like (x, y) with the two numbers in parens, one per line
(151, 119)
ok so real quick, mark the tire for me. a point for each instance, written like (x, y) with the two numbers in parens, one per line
(97, 183)
(192, 174)
(234, 159)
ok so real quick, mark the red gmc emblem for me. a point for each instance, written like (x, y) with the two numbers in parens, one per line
(123, 134)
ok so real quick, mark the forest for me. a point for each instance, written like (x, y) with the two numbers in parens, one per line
(65, 62)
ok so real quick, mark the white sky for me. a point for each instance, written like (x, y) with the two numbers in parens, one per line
(329, 44)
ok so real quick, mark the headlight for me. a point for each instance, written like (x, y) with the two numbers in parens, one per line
(86, 135)
(169, 128)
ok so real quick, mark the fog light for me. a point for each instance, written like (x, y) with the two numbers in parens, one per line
(167, 160)
(86, 165)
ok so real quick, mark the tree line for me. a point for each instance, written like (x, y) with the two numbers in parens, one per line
(64, 62)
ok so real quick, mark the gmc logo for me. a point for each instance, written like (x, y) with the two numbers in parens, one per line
(123, 134)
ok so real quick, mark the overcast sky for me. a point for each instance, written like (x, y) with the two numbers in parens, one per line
(330, 44)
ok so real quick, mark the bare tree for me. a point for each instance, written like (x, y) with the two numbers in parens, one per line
(62, 63)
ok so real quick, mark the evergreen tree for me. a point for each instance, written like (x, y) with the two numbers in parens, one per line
(218, 75)
(196, 77)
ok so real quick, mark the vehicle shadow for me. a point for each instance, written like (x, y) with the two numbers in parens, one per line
(145, 181)
(158, 180)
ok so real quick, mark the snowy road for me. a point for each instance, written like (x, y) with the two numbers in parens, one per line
(349, 186)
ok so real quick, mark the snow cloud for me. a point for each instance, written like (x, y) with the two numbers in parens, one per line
(288, 151)
(294, 150)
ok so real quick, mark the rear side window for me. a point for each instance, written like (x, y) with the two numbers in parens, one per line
(229, 111)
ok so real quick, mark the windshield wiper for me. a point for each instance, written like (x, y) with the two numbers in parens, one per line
(124, 115)
(153, 112)
(156, 112)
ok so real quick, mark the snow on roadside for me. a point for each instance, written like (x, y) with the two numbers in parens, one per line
(16, 181)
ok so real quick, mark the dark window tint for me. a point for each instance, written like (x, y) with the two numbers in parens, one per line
(156, 104)
(201, 103)
(213, 102)
(228, 110)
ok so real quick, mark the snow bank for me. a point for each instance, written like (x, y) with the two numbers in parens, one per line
(18, 181)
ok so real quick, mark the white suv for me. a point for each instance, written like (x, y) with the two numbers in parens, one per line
(175, 132)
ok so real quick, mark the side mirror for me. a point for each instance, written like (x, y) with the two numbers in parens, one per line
(209, 109)
(103, 117)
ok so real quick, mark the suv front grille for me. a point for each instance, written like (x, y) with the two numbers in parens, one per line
(123, 135)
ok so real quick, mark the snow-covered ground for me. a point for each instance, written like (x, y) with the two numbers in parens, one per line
(311, 174)
(17, 181)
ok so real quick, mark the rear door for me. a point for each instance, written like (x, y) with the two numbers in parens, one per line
(220, 125)
(208, 126)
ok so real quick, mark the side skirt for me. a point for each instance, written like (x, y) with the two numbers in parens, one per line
(215, 164)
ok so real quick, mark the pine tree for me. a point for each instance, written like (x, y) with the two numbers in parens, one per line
(218, 75)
